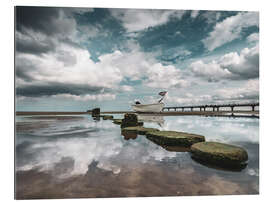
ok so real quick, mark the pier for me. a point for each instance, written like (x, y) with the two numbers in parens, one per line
(213, 107)
(200, 110)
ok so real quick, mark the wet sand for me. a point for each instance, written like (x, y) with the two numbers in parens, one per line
(146, 181)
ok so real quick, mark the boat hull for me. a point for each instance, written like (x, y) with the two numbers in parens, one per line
(148, 107)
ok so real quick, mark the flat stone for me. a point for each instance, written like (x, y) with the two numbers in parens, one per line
(131, 124)
(117, 121)
(174, 138)
(107, 117)
(138, 129)
(219, 154)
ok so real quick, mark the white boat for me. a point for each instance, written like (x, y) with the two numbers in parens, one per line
(157, 107)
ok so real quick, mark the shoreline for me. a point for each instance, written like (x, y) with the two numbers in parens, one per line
(164, 113)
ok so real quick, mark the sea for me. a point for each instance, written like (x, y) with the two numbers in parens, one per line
(81, 157)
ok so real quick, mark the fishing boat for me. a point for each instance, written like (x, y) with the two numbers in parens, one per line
(155, 107)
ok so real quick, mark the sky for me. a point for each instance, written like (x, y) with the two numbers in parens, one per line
(75, 59)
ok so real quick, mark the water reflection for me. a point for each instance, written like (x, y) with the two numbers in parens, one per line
(82, 152)
(129, 135)
(150, 118)
(222, 167)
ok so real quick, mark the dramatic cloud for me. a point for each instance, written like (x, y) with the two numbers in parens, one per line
(98, 54)
(136, 20)
(231, 66)
(50, 21)
(230, 29)
(137, 65)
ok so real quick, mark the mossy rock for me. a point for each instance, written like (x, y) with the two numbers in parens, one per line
(174, 138)
(117, 121)
(107, 117)
(138, 129)
(130, 117)
(220, 154)
(131, 124)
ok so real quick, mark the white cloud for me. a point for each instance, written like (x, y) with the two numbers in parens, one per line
(190, 99)
(212, 71)
(140, 19)
(137, 65)
(86, 97)
(230, 66)
(160, 76)
(49, 68)
(254, 37)
(230, 29)
(195, 13)
(248, 91)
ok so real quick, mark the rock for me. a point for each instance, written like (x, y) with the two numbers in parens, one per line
(117, 121)
(107, 117)
(95, 112)
(173, 138)
(220, 154)
(130, 120)
(138, 129)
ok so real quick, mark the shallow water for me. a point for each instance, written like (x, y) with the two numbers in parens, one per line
(80, 157)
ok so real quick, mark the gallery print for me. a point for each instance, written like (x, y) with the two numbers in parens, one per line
(135, 102)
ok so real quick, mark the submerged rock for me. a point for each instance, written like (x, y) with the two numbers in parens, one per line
(173, 138)
(138, 129)
(220, 154)
(107, 117)
(117, 121)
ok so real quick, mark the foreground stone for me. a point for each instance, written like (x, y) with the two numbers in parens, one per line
(138, 129)
(220, 154)
(130, 120)
(107, 117)
(117, 121)
(173, 138)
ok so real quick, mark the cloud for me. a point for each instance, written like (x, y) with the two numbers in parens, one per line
(190, 99)
(160, 76)
(230, 29)
(248, 92)
(233, 66)
(254, 37)
(140, 19)
(50, 21)
(87, 97)
(137, 65)
(194, 13)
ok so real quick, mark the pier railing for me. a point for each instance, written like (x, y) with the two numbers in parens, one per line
(214, 107)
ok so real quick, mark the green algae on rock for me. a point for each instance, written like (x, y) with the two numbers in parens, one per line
(138, 129)
(174, 138)
(117, 121)
(219, 154)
